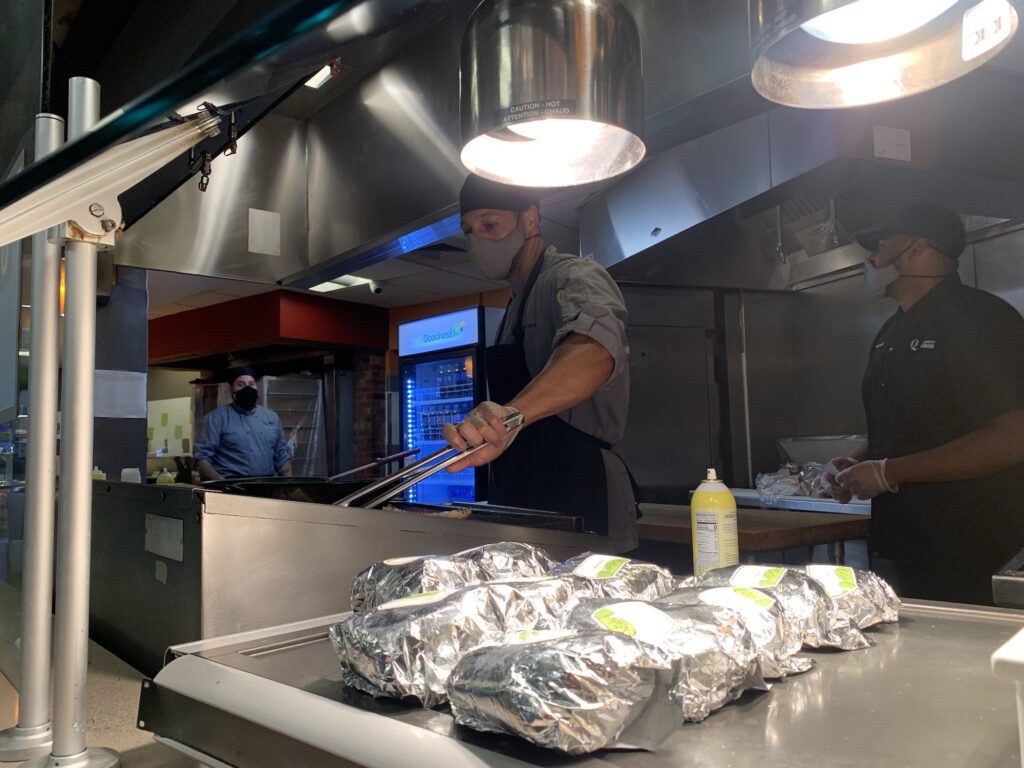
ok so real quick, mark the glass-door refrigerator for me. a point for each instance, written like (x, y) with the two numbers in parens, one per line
(442, 361)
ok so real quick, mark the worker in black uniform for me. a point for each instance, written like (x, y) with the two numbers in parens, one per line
(944, 398)
(561, 359)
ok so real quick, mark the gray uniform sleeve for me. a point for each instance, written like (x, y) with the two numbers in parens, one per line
(591, 304)
(282, 453)
(209, 438)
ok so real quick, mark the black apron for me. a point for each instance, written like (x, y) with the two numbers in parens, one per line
(550, 465)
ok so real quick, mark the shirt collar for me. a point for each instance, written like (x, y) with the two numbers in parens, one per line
(936, 297)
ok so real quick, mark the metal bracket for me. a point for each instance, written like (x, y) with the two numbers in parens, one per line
(94, 222)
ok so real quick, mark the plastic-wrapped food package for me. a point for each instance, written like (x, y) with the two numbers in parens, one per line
(619, 577)
(397, 577)
(716, 659)
(407, 647)
(777, 638)
(574, 692)
(772, 486)
(509, 560)
(861, 597)
(803, 600)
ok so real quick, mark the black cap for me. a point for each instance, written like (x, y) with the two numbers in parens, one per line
(234, 373)
(924, 219)
(478, 192)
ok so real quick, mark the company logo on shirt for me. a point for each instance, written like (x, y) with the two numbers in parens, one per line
(917, 344)
(451, 333)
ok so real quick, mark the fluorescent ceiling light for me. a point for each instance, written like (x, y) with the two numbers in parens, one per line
(321, 78)
(344, 281)
(873, 21)
(326, 287)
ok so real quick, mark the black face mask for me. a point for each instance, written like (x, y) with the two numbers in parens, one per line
(246, 398)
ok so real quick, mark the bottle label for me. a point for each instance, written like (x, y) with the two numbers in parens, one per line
(757, 576)
(636, 619)
(836, 579)
(600, 566)
(414, 601)
(715, 540)
(738, 598)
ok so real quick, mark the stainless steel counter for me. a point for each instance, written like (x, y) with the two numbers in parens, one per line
(924, 696)
(172, 564)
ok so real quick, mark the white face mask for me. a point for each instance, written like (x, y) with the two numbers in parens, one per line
(877, 280)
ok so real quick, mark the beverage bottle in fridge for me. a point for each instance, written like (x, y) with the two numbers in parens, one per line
(713, 526)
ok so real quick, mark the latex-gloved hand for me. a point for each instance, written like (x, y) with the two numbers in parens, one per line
(485, 423)
(867, 480)
(828, 480)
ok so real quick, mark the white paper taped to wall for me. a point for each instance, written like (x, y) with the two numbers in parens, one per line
(120, 395)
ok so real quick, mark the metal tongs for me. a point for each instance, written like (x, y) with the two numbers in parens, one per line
(420, 470)
(379, 462)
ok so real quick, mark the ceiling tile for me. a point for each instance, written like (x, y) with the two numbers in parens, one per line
(390, 269)
(444, 283)
(392, 296)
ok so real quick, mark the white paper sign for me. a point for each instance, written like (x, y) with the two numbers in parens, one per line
(120, 395)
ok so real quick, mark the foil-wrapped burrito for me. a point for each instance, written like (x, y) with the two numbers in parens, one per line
(710, 647)
(574, 692)
(862, 597)
(618, 578)
(408, 647)
(509, 560)
(776, 637)
(400, 576)
(803, 600)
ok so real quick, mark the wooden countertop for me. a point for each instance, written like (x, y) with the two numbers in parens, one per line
(760, 530)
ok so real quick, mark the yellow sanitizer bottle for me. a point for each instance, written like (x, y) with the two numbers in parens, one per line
(713, 526)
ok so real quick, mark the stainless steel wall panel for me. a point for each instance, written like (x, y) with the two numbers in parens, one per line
(386, 153)
(672, 431)
(1000, 267)
(207, 233)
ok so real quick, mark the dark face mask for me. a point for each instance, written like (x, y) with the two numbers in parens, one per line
(246, 398)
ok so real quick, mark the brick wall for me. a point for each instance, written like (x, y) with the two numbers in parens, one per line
(370, 418)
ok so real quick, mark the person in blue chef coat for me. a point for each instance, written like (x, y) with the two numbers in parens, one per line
(242, 439)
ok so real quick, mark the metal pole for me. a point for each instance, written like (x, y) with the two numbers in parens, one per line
(74, 522)
(32, 735)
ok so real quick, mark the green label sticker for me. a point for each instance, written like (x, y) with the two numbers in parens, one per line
(635, 619)
(149, 433)
(836, 579)
(412, 601)
(606, 618)
(764, 577)
(737, 598)
(600, 566)
(164, 419)
(178, 431)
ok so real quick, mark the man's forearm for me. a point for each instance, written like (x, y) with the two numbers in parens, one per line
(286, 469)
(577, 369)
(206, 471)
(991, 449)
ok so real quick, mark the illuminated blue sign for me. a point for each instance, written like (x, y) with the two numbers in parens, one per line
(432, 334)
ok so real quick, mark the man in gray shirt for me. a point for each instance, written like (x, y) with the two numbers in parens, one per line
(561, 359)
(242, 439)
